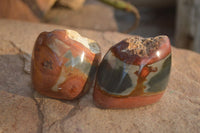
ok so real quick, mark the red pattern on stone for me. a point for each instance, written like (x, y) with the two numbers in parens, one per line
(106, 101)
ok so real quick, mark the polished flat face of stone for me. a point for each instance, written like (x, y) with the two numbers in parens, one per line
(119, 79)
(64, 64)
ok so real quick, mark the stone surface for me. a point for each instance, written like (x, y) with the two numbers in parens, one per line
(17, 107)
(18, 114)
(177, 111)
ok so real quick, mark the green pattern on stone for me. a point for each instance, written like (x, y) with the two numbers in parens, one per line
(76, 62)
(159, 81)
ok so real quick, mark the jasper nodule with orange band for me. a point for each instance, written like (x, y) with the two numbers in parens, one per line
(133, 73)
(64, 64)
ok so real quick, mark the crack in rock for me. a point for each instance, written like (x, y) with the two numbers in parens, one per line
(27, 61)
(40, 115)
(60, 122)
(25, 57)
(72, 113)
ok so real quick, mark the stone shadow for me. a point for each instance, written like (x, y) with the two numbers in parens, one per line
(13, 79)
(16, 81)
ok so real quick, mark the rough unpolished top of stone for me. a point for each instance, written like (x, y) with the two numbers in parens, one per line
(142, 47)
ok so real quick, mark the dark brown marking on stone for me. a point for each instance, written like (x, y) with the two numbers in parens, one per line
(47, 64)
(139, 89)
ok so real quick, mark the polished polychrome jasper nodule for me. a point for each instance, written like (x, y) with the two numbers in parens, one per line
(64, 64)
(133, 73)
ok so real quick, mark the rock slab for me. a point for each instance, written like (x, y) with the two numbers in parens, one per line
(23, 110)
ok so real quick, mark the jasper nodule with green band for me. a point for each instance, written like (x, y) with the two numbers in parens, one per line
(133, 73)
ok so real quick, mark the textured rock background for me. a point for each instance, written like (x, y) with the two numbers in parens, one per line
(22, 110)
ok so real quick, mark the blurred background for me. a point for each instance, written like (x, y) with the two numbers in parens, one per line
(179, 19)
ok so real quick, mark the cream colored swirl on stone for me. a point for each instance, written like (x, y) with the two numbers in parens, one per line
(60, 80)
(88, 43)
(54, 46)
